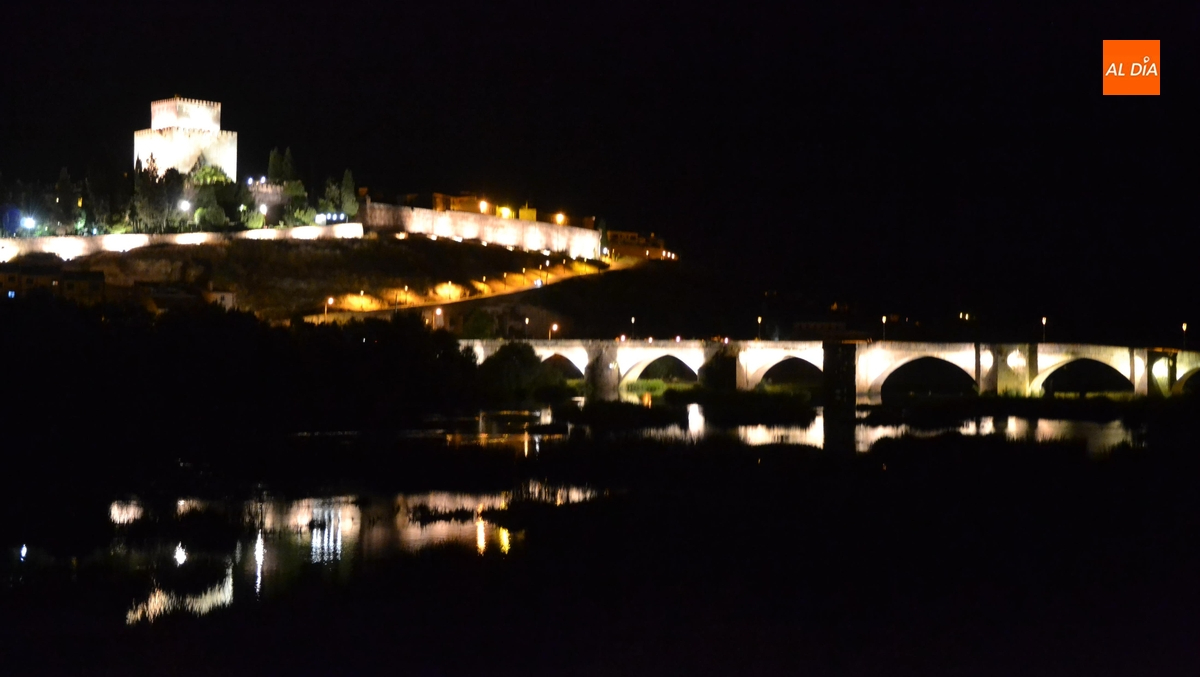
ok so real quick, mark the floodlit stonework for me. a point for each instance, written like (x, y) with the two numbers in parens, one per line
(181, 130)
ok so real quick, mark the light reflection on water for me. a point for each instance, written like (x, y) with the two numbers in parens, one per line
(1099, 437)
(332, 532)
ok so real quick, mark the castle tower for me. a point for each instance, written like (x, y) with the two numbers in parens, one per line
(181, 131)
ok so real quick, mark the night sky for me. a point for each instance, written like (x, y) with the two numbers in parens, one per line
(897, 154)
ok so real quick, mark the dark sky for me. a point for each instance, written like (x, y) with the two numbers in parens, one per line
(901, 148)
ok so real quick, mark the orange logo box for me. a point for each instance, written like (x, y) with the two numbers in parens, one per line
(1131, 67)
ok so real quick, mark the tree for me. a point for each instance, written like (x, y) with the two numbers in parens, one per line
(207, 175)
(287, 169)
(479, 324)
(209, 213)
(331, 200)
(513, 376)
(66, 200)
(275, 167)
(349, 195)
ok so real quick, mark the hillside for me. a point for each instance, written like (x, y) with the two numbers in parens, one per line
(282, 279)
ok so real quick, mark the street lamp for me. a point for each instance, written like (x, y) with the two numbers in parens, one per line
(262, 209)
(527, 327)
(884, 320)
(505, 281)
(1043, 329)
(437, 317)
(184, 205)
(760, 327)
(553, 328)
(1185, 335)
(328, 302)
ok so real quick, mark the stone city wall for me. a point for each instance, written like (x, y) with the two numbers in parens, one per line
(528, 235)
(69, 247)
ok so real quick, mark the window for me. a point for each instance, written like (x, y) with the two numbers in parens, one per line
(54, 283)
(12, 294)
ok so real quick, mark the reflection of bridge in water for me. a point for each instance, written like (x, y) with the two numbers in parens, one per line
(862, 368)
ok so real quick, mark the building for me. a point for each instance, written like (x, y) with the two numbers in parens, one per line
(636, 245)
(184, 131)
(18, 281)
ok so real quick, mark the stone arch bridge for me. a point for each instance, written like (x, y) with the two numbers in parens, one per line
(856, 371)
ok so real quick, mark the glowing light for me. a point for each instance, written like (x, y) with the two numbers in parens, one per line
(986, 359)
(678, 339)
(347, 231)
(884, 319)
(483, 206)
(160, 602)
(180, 555)
(184, 205)
(480, 536)
(259, 553)
(262, 234)
(25, 551)
(250, 181)
(341, 217)
(505, 213)
(121, 512)
(329, 301)
(505, 541)
(320, 219)
(1139, 367)
(262, 209)
(307, 232)
(66, 248)
(650, 340)
(123, 242)
(559, 218)
(262, 179)
(1185, 326)
(622, 337)
(28, 223)
(1043, 321)
(439, 312)
(1015, 360)
(727, 340)
(192, 238)
(1159, 369)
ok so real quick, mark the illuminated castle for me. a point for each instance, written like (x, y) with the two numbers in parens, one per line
(183, 130)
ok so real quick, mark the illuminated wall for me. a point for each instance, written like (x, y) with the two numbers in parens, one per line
(516, 233)
(180, 131)
(70, 247)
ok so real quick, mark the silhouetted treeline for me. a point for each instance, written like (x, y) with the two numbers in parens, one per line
(114, 372)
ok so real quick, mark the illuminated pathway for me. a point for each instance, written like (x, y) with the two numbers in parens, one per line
(862, 368)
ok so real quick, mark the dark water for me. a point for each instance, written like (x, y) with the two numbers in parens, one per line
(958, 554)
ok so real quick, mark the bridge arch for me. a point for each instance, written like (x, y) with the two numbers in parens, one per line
(754, 379)
(565, 364)
(635, 371)
(1182, 380)
(1037, 386)
(876, 389)
(633, 358)
(756, 358)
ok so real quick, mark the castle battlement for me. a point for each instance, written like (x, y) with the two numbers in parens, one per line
(182, 131)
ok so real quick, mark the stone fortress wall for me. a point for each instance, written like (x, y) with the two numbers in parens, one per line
(516, 233)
